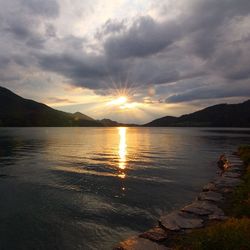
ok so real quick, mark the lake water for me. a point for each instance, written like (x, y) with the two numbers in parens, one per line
(89, 188)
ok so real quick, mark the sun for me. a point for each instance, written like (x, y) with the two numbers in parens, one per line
(122, 102)
(119, 100)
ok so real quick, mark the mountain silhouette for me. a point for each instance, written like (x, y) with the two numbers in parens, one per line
(16, 111)
(221, 115)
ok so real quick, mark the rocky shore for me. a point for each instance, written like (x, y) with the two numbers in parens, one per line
(206, 208)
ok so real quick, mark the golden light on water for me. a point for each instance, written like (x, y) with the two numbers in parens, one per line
(122, 152)
(122, 148)
(122, 175)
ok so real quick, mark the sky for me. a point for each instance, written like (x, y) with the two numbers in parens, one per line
(127, 60)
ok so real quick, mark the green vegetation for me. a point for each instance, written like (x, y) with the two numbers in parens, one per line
(244, 153)
(233, 233)
(239, 202)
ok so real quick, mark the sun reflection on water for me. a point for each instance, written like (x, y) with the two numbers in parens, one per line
(122, 151)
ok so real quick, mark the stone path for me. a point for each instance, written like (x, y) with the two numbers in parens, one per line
(205, 208)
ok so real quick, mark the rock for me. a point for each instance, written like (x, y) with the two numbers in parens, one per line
(178, 220)
(137, 243)
(202, 208)
(231, 175)
(226, 190)
(210, 196)
(235, 169)
(235, 160)
(217, 217)
(155, 234)
(196, 208)
(238, 171)
(226, 182)
(210, 187)
(237, 163)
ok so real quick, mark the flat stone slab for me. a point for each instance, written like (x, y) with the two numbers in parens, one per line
(155, 234)
(231, 175)
(210, 196)
(235, 160)
(210, 187)
(202, 208)
(226, 190)
(227, 182)
(178, 220)
(217, 217)
(235, 169)
(236, 164)
(137, 243)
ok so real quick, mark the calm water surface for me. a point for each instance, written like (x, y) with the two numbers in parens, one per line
(89, 188)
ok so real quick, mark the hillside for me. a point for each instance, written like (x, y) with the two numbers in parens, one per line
(16, 111)
(222, 115)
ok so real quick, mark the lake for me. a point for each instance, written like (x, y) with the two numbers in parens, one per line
(89, 188)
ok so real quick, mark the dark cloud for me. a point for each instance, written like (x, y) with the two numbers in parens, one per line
(46, 8)
(148, 51)
(208, 92)
(110, 27)
(145, 37)
(181, 55)
(84, 70)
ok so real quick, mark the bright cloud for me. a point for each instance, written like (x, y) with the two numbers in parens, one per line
(174, 56)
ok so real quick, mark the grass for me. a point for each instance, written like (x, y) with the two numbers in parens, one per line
(239, 202)
(244, 153)
(233, 233)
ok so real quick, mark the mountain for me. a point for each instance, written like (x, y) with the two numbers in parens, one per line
(16, 111)
(80, 116)
(111, 123)
(222, 115)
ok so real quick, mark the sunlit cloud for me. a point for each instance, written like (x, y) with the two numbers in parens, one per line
(163, 57)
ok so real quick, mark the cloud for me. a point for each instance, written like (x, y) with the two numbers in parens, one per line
(110, 27)
(46, 8)
(180, 50)
(210, 92)
(145, 37)
(60, 100)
